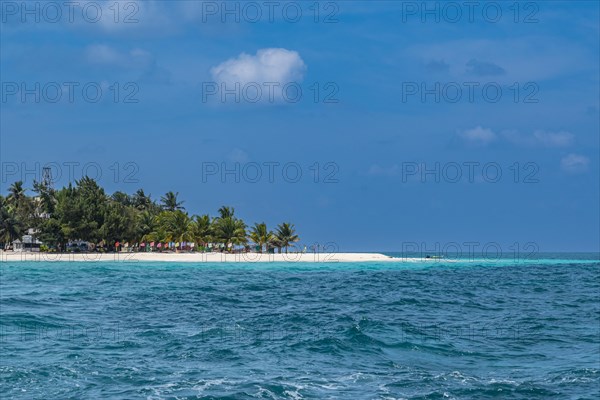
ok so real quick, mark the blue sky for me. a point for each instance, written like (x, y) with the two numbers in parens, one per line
(380, 104)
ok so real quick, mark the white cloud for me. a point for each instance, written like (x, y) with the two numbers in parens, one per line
(540, 138)
(140, 63)
(268, 65)
(478, 135)
(574, 163)
(106, 55)
(137, 18)
(113, 17)
(554, 139)
(523, 59)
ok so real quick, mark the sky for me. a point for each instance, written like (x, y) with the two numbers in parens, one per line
(370, 125)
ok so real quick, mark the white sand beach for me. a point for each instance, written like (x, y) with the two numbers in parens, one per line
(9, 256)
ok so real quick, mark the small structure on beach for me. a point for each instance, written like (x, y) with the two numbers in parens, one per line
(27, 244)
(79, 246)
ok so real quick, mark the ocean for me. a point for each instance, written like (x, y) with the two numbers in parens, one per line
(428, 329)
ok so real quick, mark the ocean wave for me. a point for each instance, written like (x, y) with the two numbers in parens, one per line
(343, 331)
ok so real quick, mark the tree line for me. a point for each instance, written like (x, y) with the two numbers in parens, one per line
(84, 212)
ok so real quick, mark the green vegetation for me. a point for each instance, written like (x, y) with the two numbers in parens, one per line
(84, 212)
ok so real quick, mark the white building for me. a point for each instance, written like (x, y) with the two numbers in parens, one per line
(27, 244)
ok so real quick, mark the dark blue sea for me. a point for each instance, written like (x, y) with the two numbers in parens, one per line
(402, 330)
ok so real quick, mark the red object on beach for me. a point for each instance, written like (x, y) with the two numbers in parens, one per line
(117, 244)
(151, 244)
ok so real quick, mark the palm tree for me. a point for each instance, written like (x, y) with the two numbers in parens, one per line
(145, 224)
(10, 228)
(16, 193)
(122, 198)
(174, 226)
(230, 231)
(261, 236)
(226, 212)
(286, 235)
(180, 227)
(170, 203)
(141, 201)
(23, 207)
(159, 231)
(202, 229)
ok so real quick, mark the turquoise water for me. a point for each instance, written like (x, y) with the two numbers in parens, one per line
(527, 329)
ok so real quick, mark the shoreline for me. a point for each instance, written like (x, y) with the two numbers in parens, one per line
(194, 257)
(216, 258)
